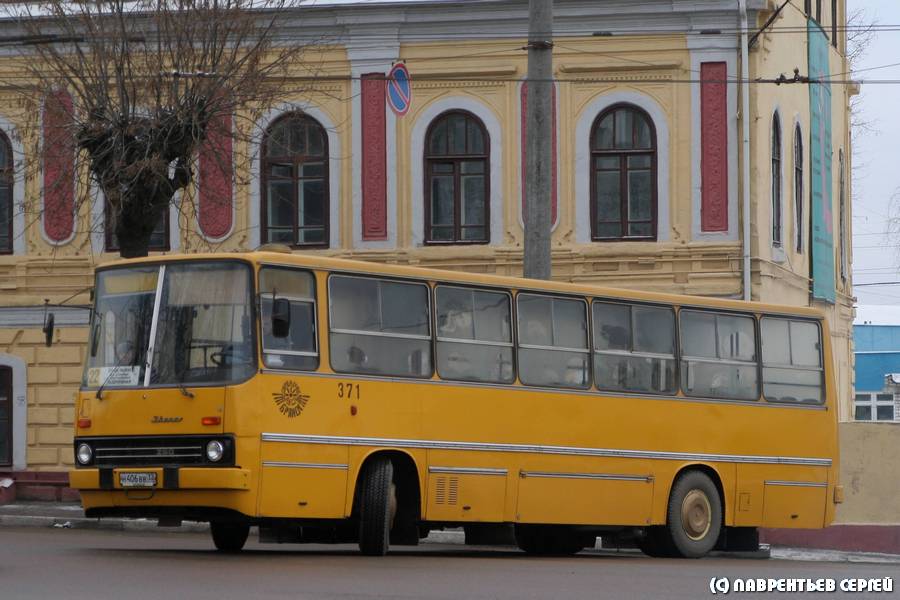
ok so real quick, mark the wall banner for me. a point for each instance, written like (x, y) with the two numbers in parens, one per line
(820, 157)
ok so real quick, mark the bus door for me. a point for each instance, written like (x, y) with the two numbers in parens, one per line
(300, 479)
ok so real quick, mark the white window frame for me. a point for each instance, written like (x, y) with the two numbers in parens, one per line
(873, 403)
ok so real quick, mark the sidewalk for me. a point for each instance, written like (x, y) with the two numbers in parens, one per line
(71, 516)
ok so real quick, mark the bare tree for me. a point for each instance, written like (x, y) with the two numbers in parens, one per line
(147, 83)
(860, 35)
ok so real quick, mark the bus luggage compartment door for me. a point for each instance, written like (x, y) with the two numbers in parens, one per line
(313, 485)
(601, 498)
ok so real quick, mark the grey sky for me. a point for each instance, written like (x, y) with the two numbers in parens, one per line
(876, 254)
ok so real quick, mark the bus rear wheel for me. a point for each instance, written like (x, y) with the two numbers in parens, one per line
(377, 507)
(694, 517)
(549, 541)
(229, 537)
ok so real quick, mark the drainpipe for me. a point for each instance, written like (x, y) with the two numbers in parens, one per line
(745, 154)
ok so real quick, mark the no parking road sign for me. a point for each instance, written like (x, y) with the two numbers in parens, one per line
(399, 90)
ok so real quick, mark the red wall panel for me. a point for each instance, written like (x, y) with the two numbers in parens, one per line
(714, 147)
(58, 148)
(216, 166)
(374, 157)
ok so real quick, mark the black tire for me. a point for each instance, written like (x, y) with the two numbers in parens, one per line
(229, 537)
(377, 507)
(694, 516)
(549, 541)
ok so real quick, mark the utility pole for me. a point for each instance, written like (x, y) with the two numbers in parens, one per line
(538, 120)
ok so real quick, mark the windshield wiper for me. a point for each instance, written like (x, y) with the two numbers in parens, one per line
(99, 394)
(186, 392)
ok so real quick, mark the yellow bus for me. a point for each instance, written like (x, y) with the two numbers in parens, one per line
(324, 399)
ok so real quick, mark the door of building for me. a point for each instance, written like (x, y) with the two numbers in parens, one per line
(6, 407)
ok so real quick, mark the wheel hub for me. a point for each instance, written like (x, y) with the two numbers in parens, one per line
(696, 515)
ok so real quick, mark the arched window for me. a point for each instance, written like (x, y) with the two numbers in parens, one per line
(623, 175)
(776, 181)
(295, 182)
(6, 195)
(457, 178)
(798, 189)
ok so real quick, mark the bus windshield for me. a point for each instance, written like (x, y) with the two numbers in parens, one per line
(194, 328)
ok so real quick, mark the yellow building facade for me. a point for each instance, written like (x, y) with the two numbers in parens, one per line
(381, 187)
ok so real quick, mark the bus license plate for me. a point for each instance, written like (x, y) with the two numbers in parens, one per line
(137, 480)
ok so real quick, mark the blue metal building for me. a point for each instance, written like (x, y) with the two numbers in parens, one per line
(877, 354)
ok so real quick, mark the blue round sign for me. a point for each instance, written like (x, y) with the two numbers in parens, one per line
(399, 90)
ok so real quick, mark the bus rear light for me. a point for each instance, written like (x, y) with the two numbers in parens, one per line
(211, 420)
(84, 423)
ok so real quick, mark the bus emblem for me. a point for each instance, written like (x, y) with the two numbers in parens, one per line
(290, 400)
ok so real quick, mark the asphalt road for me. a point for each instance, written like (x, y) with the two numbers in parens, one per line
(76, 564)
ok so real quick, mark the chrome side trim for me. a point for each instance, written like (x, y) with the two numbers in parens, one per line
(604, 476)
(814, 484)
(538, 389)
(468, 471)
(539, 449)
(299, 465)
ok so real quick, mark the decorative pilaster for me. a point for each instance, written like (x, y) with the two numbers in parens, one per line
(215, 206)
(714, 147)
(58, 149)
(374, 158)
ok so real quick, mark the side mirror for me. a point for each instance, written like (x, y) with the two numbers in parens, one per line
(281, 317)
(48, 330)
(95, 339)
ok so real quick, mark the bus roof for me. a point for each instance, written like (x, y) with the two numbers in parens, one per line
(479, 279)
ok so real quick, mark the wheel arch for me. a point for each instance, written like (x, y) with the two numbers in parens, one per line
(713, 473)
(407, 474)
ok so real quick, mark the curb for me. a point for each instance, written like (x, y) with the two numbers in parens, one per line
(97, 524)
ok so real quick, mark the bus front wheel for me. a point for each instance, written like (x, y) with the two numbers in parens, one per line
(378, 506)
(229, 537)
(694, 518)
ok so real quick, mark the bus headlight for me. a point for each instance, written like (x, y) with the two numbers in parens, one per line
(84, 454)
(215, 451)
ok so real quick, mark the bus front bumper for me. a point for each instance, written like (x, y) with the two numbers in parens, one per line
(165, 478)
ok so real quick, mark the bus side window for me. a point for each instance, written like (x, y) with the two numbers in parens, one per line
(474, 338)
(634, 348)
(553, 341)
(718, 355)
(379, 327)
(299, 350)
(792, 361)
